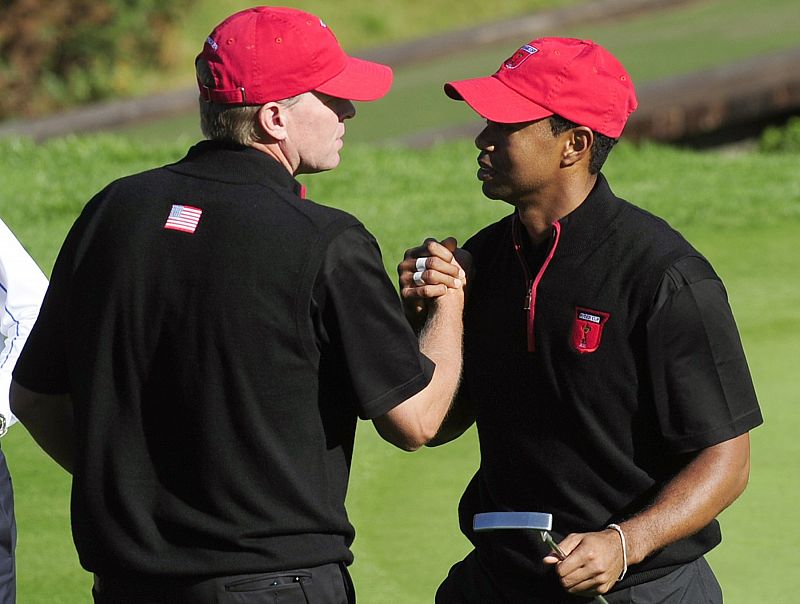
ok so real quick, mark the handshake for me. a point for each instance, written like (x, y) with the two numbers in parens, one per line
(429, 272)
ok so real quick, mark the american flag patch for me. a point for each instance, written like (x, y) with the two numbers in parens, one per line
(183, 218)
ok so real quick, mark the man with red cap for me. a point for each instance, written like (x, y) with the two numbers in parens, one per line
(210, 337)
(602, 364)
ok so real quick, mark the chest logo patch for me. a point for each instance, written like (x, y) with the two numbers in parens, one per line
(587, 329)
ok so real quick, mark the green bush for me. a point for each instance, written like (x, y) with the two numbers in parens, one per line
(782, 138)
(67, 52)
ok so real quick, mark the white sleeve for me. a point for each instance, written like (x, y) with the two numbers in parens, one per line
(22, 287)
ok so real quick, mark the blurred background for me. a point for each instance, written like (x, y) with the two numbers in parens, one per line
(96, 89)
(707, 71)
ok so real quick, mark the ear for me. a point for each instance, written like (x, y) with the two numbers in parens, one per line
(272, 121)
(577, 146)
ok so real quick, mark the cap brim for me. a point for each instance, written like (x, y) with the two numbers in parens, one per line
(495, 101)
(359, 81)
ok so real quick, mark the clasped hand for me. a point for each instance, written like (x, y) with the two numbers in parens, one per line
(429, 271)
(592, 564)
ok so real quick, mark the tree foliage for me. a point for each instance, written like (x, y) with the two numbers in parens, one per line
(64, 52)
(782, 139)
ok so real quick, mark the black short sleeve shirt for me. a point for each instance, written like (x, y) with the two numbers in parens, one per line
(593, 374)
(218, 335)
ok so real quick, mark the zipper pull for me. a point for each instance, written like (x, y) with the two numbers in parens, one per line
(528, 299)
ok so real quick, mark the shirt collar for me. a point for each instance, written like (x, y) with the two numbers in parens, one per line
(235, 164)
(591, 222)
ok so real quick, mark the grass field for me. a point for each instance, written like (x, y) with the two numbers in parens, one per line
(741, 210)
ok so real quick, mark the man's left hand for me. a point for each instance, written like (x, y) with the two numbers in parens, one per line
(593, 562)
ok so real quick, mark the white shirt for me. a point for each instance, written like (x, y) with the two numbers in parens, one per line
(22, 287)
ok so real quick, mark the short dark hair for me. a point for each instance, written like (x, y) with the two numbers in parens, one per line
(600, 148)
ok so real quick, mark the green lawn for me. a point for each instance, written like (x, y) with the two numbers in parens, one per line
(741, 210)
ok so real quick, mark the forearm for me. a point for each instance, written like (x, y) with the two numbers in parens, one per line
(441, 341)
(698, 493)
(710, 482)
(458, 419)
(49, 420)
(416, 421)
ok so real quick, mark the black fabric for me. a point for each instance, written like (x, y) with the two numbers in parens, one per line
(217, 375)
(8, 536)
(692, 583)
(591, 436)
(327, 584)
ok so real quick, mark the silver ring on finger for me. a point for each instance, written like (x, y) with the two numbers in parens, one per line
(418, 280)
(422, 264)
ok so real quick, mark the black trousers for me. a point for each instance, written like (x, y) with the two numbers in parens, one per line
(693, 583)
(8, 537)
(328, 584)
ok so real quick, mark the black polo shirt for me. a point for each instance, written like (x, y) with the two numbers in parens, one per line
(595, 371)
(219, 335)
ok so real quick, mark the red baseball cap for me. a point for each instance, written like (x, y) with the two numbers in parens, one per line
(266, 53)
(576, 79)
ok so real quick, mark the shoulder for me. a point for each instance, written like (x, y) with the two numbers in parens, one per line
(650, 231)
(650, 244)
(686, 272)
(326, 218)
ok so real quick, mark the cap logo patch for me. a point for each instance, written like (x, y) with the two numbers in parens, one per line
(587, 329)
(212, 44)
(519, 57)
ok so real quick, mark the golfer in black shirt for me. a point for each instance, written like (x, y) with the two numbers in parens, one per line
(602, 364)
(210, 337)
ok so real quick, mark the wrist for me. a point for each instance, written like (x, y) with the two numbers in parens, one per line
(624, 544)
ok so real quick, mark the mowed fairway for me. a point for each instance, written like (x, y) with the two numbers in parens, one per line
(741, 210)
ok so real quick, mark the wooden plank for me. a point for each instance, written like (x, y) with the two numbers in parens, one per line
(696, 104)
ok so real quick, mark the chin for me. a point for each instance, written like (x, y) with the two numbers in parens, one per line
(332, 164)
(329, 164)
(490, 191)
(495, 194)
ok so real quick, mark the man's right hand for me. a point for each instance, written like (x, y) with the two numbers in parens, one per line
(427, 271)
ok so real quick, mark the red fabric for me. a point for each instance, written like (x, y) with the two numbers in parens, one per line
(267, 54)
(576, 79)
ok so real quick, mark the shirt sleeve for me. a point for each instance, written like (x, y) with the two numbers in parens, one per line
(363, 321)
(42, 364)
(22, 287)
(703, 391)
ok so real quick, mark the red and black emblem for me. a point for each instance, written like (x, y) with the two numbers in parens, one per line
(587, 329)
(519, 57)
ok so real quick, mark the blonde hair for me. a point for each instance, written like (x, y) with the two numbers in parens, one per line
(229, 123)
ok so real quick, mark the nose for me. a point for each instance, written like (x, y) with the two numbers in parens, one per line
(482, 140)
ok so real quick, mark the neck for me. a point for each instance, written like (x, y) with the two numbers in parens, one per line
(274, 150)
(538, 214)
